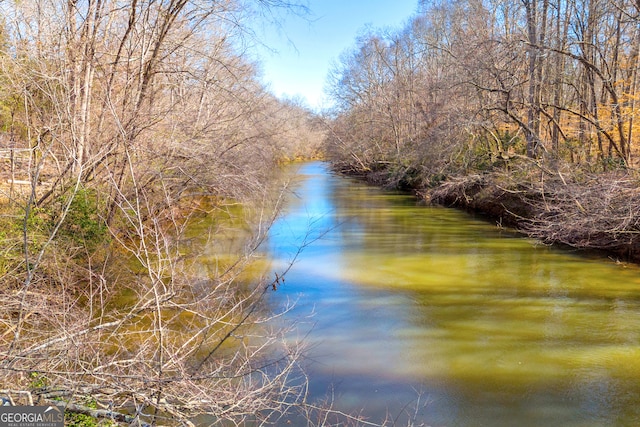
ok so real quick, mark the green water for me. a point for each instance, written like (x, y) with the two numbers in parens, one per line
(397, 299)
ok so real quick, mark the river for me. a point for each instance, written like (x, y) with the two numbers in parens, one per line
(422, 312)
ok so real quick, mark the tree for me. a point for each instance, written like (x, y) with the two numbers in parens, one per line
(560, 75)
(141, 119)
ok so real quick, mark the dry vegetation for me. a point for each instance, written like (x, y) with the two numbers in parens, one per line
(133, 119)
(583, 210)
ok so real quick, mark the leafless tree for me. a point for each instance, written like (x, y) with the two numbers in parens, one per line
(141, 119)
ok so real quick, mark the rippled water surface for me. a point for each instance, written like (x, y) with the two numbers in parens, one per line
(400, 300)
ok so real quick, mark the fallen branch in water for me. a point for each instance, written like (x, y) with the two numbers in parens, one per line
(582, 210)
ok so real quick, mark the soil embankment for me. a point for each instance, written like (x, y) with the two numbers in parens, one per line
(588, 211)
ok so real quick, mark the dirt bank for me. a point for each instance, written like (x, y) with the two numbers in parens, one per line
(573, 207)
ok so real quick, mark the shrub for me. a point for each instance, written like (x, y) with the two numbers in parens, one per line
(83, 226)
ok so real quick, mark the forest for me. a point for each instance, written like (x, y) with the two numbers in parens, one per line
(125, 122)
(121, 123)
(523, 110)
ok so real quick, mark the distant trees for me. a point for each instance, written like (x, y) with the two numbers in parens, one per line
(391, 105)
(542, 78)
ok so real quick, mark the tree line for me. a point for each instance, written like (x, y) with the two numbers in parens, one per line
(546, 79)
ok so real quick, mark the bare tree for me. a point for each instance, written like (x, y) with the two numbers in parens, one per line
(140, 120)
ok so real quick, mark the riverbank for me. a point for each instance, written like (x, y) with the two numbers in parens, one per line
(562, 205)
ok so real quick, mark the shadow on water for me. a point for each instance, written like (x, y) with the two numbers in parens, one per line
(493, 328)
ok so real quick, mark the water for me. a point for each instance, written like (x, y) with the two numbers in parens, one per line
(400, 301)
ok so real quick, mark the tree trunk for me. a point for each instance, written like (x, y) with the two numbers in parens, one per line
(532, 131)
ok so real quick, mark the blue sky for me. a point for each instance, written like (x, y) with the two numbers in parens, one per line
(303, 49)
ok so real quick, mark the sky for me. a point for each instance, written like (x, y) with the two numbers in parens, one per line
(298, 54)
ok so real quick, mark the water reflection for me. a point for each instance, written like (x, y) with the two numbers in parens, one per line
(496, 329)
